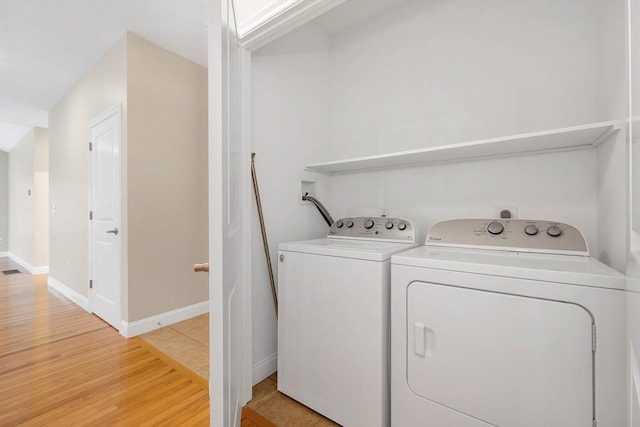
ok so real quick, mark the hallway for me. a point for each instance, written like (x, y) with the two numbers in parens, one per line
(60, 365)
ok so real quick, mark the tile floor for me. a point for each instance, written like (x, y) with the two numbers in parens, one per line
(187, 342)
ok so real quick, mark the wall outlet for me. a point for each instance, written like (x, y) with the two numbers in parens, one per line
(502, 210)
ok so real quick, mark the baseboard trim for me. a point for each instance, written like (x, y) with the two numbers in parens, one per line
(158, 321)
(264, 368)
(65, 290)
(4, 254)
(41, 269)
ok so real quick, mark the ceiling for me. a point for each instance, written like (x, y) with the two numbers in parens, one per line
(48, 45)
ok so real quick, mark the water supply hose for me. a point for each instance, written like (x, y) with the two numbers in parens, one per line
(323, 211)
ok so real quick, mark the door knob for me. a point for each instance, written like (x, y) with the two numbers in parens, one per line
(114, 231)
(198, 268)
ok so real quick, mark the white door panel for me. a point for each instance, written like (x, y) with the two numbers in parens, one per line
(229, 205)
(104, 200)
(507, 360)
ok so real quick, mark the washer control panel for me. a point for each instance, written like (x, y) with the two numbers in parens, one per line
(509, 234)
(374, 228)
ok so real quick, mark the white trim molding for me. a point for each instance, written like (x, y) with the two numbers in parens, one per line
(264, 368)
(41, 269)
(158, 321)
(74, 296)
(4, 254)
(279, 18)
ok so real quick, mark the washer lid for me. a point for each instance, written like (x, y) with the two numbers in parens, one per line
(371, 250)
(575, 270)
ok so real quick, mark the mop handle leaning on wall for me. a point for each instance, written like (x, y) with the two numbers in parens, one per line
(265, 243)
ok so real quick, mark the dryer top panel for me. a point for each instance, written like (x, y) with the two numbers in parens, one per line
(517, 235)
(574, 270)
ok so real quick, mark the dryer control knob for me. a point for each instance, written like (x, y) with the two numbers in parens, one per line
(554, 231)
(389, 225)
(531, 230)
(368, 224)
(339, 224)
(402, 226)
(349, 224)
(495, 228)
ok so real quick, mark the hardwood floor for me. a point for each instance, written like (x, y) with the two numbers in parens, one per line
(62, 366)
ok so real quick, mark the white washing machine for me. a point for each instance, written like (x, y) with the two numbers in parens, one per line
(506, 323)
(333, 319)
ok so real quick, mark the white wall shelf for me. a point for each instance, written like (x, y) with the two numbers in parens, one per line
(563, 139)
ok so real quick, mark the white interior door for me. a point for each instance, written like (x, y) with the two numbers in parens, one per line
(104, 200)
(229, 203)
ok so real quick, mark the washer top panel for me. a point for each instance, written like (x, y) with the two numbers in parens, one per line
(519, 235)
(369, 250)
(382, 229)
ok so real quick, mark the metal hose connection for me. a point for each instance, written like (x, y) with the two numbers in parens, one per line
(323, 211)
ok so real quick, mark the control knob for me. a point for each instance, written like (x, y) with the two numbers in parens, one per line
(389, 225)
(495, 228)
(531, 230)
(368, 223)
(554, 231)
(402, 226)
(339, 224)
(349, 224)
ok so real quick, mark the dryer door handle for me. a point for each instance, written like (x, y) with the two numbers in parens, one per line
(424, 340)
(419, 339)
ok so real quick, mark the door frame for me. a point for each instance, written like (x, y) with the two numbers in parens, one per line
(116, 110)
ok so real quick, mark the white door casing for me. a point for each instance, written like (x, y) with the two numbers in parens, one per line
(105, 216)
(229, 220)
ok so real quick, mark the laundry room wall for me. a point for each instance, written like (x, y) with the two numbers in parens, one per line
(420, 74)
(633, 267)
(612, 156)
(290, 108)
(433, 73)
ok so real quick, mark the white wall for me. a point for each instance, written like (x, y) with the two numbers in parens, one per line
(4, 201)
(290, 83)
(102, 88)
(612, 163)
(28, 222)
(432, 73)
(427, 73)
(41, 198)
(21, 196)
(633, 268)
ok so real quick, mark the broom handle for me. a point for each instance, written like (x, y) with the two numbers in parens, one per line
(265, 243)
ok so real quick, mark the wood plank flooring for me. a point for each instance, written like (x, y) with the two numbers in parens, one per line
(62, 366)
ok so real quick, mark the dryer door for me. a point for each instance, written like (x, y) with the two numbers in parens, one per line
(509, 360)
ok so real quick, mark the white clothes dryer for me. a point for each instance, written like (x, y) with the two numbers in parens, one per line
(506, 323)
(333, 319)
